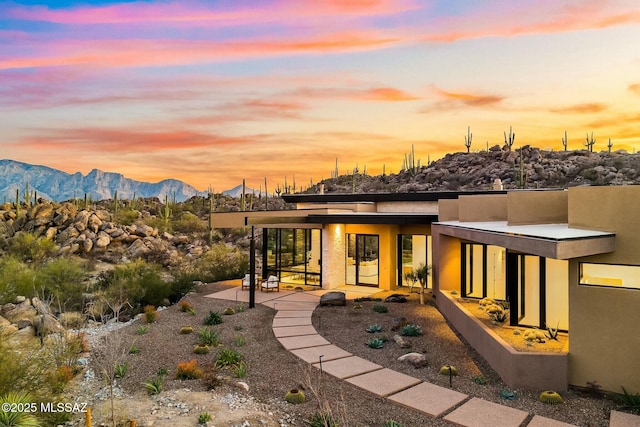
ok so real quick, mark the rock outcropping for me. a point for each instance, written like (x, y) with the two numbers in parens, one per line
(85, 231)
(526, 167)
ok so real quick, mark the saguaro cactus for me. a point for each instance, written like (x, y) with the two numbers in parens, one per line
(610, 145)
(467, 139)
(565, 140)
(509, 141)
(590, 142)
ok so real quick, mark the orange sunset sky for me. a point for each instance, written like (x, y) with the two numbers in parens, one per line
(211, 92)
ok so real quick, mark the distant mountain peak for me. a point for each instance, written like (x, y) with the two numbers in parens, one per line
(56, 185)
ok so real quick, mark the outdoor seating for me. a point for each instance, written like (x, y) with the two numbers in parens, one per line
(271, 284)
(246, 281)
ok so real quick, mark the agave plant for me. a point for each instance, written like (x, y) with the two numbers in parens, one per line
(374, 328)
(375, 343)
(411, 330)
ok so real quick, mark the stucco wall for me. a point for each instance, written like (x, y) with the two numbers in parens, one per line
(537, 207)
(448, 210)
(482, 208)
(413, 207)
(603, 321)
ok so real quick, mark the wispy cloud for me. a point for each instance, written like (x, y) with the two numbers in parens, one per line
(587, 108)
(634, 88)
(467, 98)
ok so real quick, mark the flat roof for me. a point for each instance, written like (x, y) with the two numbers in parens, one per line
(557, 241)
(542, 231)
(426, 196)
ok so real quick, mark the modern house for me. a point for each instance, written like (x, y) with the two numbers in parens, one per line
(567, 259)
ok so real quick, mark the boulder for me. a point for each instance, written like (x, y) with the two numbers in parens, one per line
(417, 360)
(20, 312)
(137, 249)
(402, 343)
(333, 298)
(398, 323)
(396, 298)
(47, 324)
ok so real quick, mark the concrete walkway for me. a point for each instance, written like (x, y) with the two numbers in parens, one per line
(292, 327)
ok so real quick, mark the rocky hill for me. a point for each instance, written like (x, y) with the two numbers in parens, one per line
(56, 185)
(526, 167)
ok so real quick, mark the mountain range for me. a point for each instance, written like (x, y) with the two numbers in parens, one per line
(56, 185)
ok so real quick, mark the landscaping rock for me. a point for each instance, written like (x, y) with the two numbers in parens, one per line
(396, 298)
(398, 323)
(402, 343)
(333, 299)
(417, 360)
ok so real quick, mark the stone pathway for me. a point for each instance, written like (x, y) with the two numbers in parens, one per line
(293, 328)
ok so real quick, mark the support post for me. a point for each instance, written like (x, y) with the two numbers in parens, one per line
(252, 269)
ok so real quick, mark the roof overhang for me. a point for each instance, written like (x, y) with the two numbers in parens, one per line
(427, 196)
(315, 218)
(557, 241)
(374, 218)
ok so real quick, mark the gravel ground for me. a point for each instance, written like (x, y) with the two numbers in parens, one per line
(272, 371)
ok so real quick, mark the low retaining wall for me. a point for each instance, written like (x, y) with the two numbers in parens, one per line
(518, 369)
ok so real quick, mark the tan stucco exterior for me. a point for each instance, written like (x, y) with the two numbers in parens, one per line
(482, 208)
(537, 207)
(602, 320)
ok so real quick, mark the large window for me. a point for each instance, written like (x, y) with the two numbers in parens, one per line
(293, 255)
(483, 271)
(414, 250)
(535, 287)
(610, 275)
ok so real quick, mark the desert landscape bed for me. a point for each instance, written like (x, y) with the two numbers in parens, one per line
(272, 370)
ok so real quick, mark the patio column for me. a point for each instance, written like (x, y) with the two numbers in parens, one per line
(252, 269)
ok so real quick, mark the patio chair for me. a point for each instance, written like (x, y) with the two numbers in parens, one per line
(271, 284)
(246, 282)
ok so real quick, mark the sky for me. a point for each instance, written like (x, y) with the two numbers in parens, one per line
(214, 92)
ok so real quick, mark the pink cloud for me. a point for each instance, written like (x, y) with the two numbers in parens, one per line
(634, 88)
(137, 53)
(206, 12)
(469, 99)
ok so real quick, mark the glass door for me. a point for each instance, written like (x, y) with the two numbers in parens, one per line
(362, 260)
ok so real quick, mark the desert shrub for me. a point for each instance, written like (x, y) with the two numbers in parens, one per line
(59, 378)
(380, 308)
(204, 418)
(186, 307)
(154, 385)
(188, 370)
(120, 370)
(72, 319)
(126, 216)
(23, 370)
(138, 283)
(16, 278)
(228, 357)
(210, 377)
(150, 314)
(213, 318)
(62, 278)
(221, 262)
(65, 349)
(208, 337)
(31, 248)
(189, 224)
(183, 282)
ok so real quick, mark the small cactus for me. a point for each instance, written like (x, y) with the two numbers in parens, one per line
(201, 349)
(551, 398)
(295, 396)
(411, 330)
(449, 370)
(185, 330)
(228, 311)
